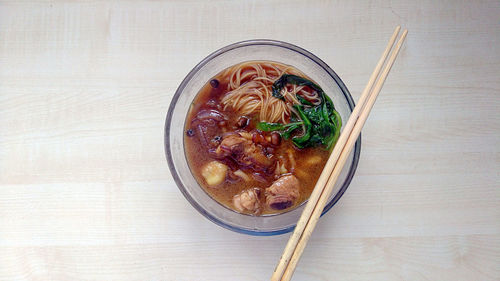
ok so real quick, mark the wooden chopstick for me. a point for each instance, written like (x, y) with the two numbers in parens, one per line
(325, 176)
(330, 164)
(340, 164)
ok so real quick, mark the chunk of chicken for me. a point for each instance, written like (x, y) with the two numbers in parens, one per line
(283, 192)
(245, 153)
(214, 173)
(248, 201)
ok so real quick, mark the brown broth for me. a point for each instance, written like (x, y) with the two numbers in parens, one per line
(197, 155)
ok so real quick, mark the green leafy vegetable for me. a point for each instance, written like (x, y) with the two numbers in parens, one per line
(268, 127)
(285, 79)
(301, 141)
(319, 124)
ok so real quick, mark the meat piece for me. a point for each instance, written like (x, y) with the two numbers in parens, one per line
(248, 201)
(245, 153)
(283, 192)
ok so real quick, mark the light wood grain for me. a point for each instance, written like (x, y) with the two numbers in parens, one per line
(85, 191)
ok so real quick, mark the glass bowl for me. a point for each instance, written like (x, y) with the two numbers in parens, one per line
(175, 123)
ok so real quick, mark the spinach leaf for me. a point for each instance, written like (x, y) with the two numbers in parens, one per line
(301, 141)
(320, 124)
(303, 101)
(268, 127)
(286, 134)
(285, 79)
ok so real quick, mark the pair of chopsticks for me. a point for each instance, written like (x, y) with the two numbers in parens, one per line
(335, 163)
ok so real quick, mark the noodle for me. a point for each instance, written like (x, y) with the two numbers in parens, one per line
(250, 91)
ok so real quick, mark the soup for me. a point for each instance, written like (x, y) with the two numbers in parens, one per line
(258, 135)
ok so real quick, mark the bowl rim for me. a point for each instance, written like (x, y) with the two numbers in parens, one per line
(196, 68)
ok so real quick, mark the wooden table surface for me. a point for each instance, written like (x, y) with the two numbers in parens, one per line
(86, 192)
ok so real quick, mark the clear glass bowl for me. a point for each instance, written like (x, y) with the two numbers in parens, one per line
(175, 123)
